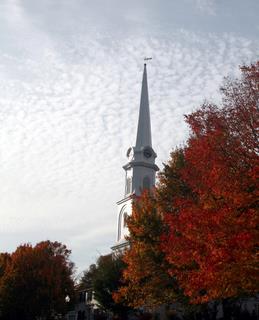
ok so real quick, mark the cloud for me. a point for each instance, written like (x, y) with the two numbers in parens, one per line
(207, 6)
(69, 107)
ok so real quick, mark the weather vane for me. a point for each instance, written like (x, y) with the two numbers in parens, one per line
(146, 59)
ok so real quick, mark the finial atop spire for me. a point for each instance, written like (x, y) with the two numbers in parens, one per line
(144, 125)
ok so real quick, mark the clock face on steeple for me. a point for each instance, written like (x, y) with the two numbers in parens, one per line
(147, 152)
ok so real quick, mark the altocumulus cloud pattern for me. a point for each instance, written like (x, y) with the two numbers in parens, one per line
(70, 75)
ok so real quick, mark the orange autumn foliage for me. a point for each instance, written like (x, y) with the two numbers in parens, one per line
(146, 278)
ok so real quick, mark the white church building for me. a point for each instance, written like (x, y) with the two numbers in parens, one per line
(140, 170)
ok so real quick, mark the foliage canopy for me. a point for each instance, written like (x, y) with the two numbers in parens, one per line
(34, 281)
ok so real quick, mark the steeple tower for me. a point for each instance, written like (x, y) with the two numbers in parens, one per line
(140, 170)
(144, 125)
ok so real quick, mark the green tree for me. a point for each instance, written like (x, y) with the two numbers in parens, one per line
(104, 278)
(86, 282)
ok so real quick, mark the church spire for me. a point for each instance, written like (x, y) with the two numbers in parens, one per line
(140, 169)
(144, 125)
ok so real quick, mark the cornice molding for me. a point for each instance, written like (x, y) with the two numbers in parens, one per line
(120, 245)
(140, 164)
(129, 197)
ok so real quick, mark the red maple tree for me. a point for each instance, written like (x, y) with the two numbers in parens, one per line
(212, 242)
(35, 281)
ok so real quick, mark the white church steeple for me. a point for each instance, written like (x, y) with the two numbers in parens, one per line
(140, 170)
(144, 126)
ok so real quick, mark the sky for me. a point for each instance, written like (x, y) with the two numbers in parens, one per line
(70, 80)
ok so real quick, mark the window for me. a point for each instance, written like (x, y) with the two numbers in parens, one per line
(128, 186)
(89, 296)
(80, 315)
(121, 223)
(125, 217)
(82, 296)
(146, 183)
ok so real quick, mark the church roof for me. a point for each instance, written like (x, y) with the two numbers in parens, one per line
(144, 124)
